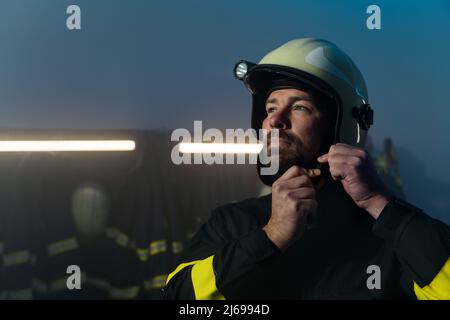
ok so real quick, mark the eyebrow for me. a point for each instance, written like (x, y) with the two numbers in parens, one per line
(292, 99)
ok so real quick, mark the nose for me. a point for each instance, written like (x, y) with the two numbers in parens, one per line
(279, 121)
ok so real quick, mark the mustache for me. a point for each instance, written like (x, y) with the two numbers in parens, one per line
(285, 136)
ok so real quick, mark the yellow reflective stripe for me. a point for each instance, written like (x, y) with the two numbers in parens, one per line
(15, 258)
(382, 163)
(115, 293)
(122, 240)
(124, 293)
(60, 284)
(156, 282)
(142, 254)
(204, 280)
(179, 268)
(154, 247)
(62, 246)
(177, 246)
(22, 294)
(438, 289)
(98, 283)
(158, 247)
(56, 285)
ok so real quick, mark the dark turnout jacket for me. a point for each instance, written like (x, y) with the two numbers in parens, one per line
(404, 254)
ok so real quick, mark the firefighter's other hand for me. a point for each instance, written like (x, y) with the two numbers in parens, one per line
(293, 199)
(354, 168)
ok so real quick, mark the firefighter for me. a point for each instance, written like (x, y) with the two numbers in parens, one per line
(330, 229)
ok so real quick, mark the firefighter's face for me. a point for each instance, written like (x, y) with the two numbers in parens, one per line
(303, 128)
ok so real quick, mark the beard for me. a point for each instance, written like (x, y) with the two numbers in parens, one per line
(291, 151)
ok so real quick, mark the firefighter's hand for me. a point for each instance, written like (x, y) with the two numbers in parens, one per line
(354, 168)
(293, 199)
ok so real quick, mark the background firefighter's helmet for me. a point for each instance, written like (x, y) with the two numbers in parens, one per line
(321, 65)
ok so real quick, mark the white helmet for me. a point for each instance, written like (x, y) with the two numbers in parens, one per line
(321, 65)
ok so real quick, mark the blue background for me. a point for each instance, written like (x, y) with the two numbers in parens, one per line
(163, 64)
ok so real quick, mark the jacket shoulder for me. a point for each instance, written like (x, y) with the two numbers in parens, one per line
(238, 218)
